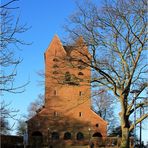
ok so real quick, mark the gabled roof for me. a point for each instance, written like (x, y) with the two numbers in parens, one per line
(66, 48)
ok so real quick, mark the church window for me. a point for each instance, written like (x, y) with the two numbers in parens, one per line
(80, 74)
(97, 125)
(55, 66)
(55, 92)
(80, 114)
(80, 136)
(55, 60)
(67, 136)
(55, 72)
(80, 93)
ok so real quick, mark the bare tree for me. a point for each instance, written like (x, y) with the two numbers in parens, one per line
(6, 112)
(103, 104)
(21, 127)
(35, 106)
(4, 126)
(9, 41)
(116, 35)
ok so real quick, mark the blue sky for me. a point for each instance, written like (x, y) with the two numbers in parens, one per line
(46, 18)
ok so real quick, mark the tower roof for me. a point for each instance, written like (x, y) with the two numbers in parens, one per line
(55, 45)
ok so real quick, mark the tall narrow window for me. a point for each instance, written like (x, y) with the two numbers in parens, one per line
(55, 92)
(80, 114)
(80, 93)
(67, 136)
(55, 60)
(80, 74)
(80, 136)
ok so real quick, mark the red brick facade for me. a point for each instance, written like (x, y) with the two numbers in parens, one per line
(66, 117)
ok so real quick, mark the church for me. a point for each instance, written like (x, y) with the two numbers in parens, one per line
(66, 117)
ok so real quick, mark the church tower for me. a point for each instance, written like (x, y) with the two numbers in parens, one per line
(66, 117)
(67, 79)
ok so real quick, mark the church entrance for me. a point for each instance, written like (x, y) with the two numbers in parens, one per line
(37, 139)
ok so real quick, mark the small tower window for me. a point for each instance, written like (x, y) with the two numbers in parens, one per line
(55, 92)
(80, 114)
(97, 125)
(80, 93)
(80, 136)
(55, 66)
(55, 60)
(55, 72)
(67, 136)
(80, 74)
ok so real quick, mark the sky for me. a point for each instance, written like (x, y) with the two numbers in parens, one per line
(45, 19)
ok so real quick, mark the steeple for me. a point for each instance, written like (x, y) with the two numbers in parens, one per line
(55, 47)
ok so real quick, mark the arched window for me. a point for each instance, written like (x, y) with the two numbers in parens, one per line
(97, 125)
(55, 72)
(67, 136)
(55, 136)
(80, 74)
(80, 136)
(97, 134)
(55, 60)
(55, 92)
(55, 66)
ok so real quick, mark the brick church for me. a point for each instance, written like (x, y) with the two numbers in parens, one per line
(66, 117)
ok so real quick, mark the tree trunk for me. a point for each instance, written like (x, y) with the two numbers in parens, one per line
(125, 138)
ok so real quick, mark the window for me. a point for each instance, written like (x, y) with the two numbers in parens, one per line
(67, 136)
(80, 114)
(80, 74)
(55, 92)
(80, 93)
(80, 136)
(55, 60)
(97, 125)
(55, 72)
(55, 66)
(70, 79)
(55, 136)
